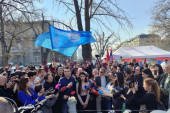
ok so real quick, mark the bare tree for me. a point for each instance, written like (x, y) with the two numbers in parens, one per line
(103, 41)
(97, 14)
(13, 13)
(161, 18)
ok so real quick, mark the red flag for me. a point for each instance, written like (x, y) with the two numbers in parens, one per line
(144, 61)
(111, 56)
(107, 57)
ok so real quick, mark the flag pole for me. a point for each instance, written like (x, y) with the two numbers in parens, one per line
(53, 55)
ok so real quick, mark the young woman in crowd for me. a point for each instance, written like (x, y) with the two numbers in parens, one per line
(59, 74)
(82, 94)
(146, 73)
(47, 106)
(32, 76)
(158, 73)
(119, 80)
(151, 98)
(27, 95)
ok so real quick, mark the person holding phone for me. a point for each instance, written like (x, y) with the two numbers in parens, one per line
(48, 104)
(152, 96)
(49, 85)
(5, 88)
(27, 95)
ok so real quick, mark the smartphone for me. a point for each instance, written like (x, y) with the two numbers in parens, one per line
(155, 72)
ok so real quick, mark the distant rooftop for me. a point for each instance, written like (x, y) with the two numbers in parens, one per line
(148, 35)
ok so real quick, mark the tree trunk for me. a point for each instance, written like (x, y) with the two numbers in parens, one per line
(2, 38)
(78, 16)
(86, 49)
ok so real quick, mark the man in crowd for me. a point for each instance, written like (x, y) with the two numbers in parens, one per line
(165, 87)
(5, 88)
(134, 63)
(95, 73)
(40, 78)
(49, 85)
(131, 67)
(164, 63)
(101, 81)
(69, 82)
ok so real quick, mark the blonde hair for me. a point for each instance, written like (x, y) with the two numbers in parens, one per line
(155, 88)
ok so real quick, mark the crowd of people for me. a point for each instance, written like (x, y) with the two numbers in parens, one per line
(96, 87)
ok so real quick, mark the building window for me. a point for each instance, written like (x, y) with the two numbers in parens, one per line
(37, 58)
(147, 41)
(153, 41)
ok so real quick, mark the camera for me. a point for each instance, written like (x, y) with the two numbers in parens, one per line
(130, 83)
(16, 81)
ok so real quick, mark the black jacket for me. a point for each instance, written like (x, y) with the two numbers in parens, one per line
(48, 85)
(89, 71)
(149, 100)
(98, 80)
(5, 92)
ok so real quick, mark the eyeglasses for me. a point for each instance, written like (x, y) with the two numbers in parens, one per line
(66, 71)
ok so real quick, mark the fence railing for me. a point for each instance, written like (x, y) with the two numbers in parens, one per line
(113, 111)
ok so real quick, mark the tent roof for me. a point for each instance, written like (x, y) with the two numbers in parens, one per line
(141, 52)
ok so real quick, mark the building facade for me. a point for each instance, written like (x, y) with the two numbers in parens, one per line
(25, 52)
(147, 40)
(143, 40)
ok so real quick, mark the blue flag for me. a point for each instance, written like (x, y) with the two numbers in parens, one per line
(64, 39)
(44, 40)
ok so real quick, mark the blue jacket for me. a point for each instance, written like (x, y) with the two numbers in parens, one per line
(26, 99)
(64, 82)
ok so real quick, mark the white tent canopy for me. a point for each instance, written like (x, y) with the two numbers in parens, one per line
(141, 52)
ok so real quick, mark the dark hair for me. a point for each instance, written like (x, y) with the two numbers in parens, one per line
(160, 68)
(148, 72)
(121, 68)
(67, 67)
(120, 81)
(134, 60)
(39, 71)
(115, 67)
(31, 74)
(131, 64)
(22, 84)
(146, 65)
(128, 71)
(80, 83)
(141, 68)
(38, 88)
(46, 76)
